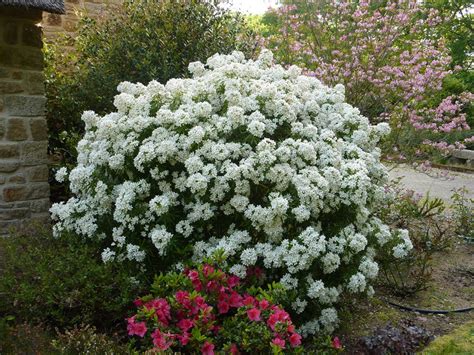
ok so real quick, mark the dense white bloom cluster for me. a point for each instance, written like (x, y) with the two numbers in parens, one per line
(270, 166)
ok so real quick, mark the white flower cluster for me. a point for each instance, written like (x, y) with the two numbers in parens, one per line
(262, 162)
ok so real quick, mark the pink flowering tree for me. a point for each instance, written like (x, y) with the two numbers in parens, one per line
(386, 54)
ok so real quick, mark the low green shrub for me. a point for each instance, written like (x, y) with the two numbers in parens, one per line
(61, 282)
(431, 230)
(24, 338)
(85, 339)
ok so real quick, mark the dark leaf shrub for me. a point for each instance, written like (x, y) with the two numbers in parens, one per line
(406, 338)
(61, 282)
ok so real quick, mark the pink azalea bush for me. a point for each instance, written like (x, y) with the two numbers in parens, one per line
(206, 310)
(388, 57)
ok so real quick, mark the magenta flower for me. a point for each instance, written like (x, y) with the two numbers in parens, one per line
(207, 348)
(254, 314)
(295, 339)
(136, 328)
(279, 342)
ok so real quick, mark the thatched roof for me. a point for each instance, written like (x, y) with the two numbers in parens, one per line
(56, 6)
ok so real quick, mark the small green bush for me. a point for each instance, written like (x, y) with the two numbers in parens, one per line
(143, 40)
(84, 339)
(61, 282)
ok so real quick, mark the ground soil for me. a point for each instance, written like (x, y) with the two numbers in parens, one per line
(452, 287)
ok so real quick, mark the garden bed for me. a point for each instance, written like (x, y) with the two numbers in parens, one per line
(452, 287)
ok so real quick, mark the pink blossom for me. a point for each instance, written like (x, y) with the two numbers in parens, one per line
(279, 342)
(136, 328)
(336, 343)
(184, 338)
(295, 339)
(254, 314)
(185, 324)
(159, 340)
(207, 348)
(264, 304)
(223, 307)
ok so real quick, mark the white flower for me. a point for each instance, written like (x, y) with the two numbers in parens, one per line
(160, 238)
(245, 157)
(256, 128)
(61, 174)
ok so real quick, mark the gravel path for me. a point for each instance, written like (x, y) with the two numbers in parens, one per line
(433, 182)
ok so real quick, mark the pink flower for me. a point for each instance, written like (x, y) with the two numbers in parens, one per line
(235, 300)
(249, 301)
(161, 308)
(295, 339)
(279, 342)
(223, 307)
(212, 286)
(336, 343)
(264, 304)
(183, 339)
(234, 350)
(233, 281)
(136, 328)
(138, 302)
(254, 314)
(185, 324)
(207, 270)
(159, 340)
(207, 348)
(193, 275)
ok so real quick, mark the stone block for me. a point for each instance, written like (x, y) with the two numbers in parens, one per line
(38, 173)
(10, 87)
(40, 190)
(24, 105)
(16, 129)
(34, 153)
(17, 75)
(17, 179)
(2, 127)
(35, 83)
(53, 20)
(15, 193)
(23, 193)
(41, 205)
(39, 129)
(24, 57)
(13, 213)
(8, 166)
(4, 73)
(31, 35)
(464, 154)
(10, 32)
(9, 150)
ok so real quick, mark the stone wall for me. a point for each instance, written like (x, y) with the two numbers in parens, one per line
(24, 188)
(54, 24)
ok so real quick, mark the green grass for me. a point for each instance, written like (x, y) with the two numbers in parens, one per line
(460, 341)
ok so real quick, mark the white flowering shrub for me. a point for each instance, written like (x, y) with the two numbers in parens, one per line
(259, 161)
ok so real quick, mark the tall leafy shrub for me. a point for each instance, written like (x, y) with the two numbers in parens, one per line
(143, 40)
